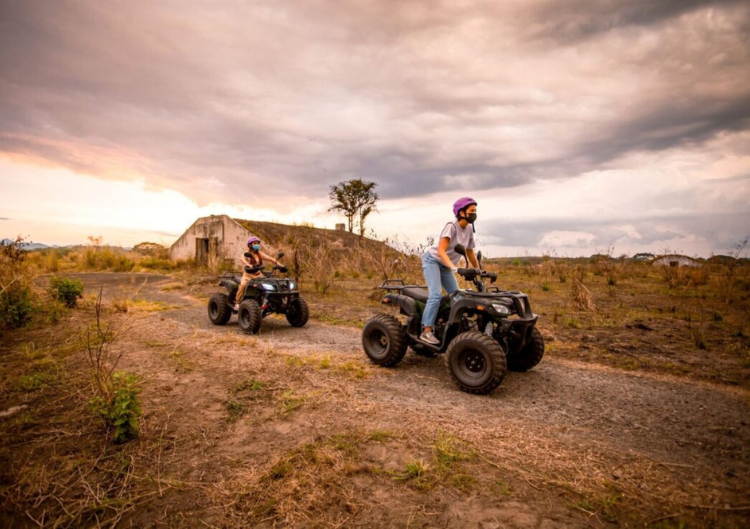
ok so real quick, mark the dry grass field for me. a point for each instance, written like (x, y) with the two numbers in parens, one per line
(637, 416)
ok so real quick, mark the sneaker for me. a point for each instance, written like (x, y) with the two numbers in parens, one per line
(236, 307)
(428, 337)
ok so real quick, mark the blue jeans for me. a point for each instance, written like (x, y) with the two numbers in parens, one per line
(438, 276)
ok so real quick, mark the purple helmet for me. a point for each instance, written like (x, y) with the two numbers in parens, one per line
(253, 239)
(462, 203)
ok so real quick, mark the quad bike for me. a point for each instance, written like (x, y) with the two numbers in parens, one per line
(265, 295)
(483, 332)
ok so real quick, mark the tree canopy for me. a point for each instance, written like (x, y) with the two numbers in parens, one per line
(356, 199)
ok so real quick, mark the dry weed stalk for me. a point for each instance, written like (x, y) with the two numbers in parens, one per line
(98, 341)
(320, 266)
(582, 297)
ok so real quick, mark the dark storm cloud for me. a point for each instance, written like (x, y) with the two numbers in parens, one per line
(575, 20)
(219, 101)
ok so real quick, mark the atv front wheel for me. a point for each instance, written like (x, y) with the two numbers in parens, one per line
(476, 362)
(530, 355)
(298, 312)
(219, 310)
(249, 316)
(384, 340)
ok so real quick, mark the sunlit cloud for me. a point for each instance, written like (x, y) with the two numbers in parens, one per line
(574, 123)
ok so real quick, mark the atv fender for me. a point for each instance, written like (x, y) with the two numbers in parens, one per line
(460, 306)
(231, 287)
(407, 305)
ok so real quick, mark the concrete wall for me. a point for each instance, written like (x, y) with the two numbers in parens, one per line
(226, 239)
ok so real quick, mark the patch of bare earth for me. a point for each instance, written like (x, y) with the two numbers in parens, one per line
(296, 427)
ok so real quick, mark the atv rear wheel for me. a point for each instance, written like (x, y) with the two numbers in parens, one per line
(249, 316)
(476, 362)
(384, 340)
(298, 312)
(530, 355)
(219, 310)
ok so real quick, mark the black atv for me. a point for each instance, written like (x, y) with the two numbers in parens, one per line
(483, 331)
(265, 295)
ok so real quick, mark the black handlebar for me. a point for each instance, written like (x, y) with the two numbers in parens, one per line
(471, 273)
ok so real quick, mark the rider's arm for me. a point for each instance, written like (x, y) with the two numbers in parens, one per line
(443, 253)
(472, 258)
(269, 258)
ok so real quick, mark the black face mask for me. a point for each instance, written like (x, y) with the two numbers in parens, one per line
(471, 217)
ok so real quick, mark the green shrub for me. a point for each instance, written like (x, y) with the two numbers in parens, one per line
(67, 291)
(16, 306)
(124, 410)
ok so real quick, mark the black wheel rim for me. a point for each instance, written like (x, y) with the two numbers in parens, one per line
(245, 318)
(213, 309)
(378, 342)
(472, 364)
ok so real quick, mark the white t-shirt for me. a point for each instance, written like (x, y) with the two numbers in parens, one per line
(457, 235)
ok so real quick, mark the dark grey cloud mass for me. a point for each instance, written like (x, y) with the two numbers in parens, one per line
(220, 100)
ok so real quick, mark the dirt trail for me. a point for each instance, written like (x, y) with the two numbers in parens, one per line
(698, 434)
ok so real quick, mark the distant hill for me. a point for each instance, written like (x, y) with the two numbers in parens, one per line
(26, 245)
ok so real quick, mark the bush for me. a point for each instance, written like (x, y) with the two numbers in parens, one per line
(16, 306)
(16, 294)
(67, 291)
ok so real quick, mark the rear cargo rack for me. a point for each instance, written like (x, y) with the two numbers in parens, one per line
(396, 285)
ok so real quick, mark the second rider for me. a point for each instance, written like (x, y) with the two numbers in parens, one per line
(440, 262)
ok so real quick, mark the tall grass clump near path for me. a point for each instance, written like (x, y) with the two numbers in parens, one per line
(17, 297)
(115, 397)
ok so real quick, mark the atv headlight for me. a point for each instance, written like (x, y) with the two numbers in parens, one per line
(291, 285)
(268, 286)
(501, 309)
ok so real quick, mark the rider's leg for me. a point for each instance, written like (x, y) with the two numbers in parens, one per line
(432, 274)
(241, 291)
(448, 280)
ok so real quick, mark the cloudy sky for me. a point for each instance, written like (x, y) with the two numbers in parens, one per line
(578, 126)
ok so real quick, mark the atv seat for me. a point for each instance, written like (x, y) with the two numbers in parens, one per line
(421, 294)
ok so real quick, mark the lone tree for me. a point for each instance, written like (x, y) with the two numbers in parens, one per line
(356, 200)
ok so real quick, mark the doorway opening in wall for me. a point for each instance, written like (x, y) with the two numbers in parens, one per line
(201, 251)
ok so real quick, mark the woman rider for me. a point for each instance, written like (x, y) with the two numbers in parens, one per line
(252, 258)
(440, 262)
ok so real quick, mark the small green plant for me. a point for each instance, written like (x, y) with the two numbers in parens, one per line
(380, 435)
(235, 409)
(416, 472)
(545, 287)
(503, 488)
(67, 291)
(290, 401)
(123, 411)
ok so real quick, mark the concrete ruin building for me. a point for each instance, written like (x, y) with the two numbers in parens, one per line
(211, 239)
(675, 261)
